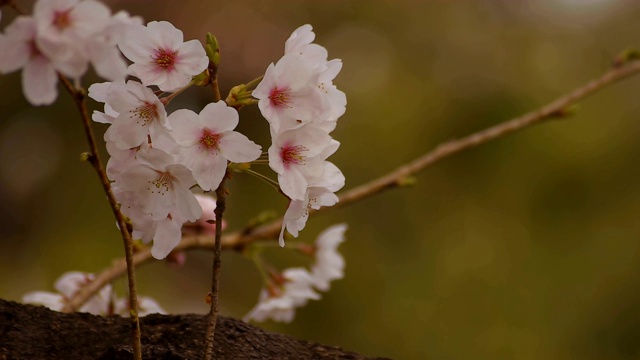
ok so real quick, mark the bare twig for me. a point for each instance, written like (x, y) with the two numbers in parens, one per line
(92, 157)
(217, 261)
(215, 278)
(237, 240)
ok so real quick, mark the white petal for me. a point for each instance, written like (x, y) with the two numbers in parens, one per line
(238, 148)
(39, 81)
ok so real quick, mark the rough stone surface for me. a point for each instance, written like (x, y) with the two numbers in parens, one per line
(30, 332)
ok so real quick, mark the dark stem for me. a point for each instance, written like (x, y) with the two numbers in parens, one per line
(217, 262)
(214, 82)
(79, 98)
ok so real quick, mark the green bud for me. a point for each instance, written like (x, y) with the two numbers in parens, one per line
(86, 156)
(212, 48)
(626, 56)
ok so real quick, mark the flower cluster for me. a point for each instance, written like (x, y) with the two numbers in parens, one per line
(63, 37)
(302, 106)
(295, 286)
(156, 158)
(103, 303)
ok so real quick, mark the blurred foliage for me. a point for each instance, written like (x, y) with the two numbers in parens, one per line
(525, 248)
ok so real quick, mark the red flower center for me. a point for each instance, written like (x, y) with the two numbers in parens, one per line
(210, 140)
(61, 19)
(165, 59)
(280, 97)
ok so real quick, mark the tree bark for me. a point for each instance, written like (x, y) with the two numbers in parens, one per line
(30, 332)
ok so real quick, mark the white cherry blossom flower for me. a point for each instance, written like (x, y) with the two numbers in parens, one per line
(300, 42)
(295, 218)
(297, 156)
(64, 26)
(161, 186)
(288, 94)
(19, 51)
(293, 290)
(140, 113)
(329, 264)
(103, 51)
(161, 57)
(208, 141)
(67, 286)
(103, 303)
(165, 233)
(47, 299)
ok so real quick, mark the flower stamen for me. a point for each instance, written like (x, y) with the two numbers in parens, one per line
(165, 59)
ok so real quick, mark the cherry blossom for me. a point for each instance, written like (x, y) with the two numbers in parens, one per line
(161, 57)
(288, 95)
(19, 51)
(292, 290)
(63, 28)
(207, 141)
(300, 42)
(67, 285)
(140, 113)
(297, 157)
(295, 218)
(329, 264)
(102, 50)
(103, 303)
(161, 186)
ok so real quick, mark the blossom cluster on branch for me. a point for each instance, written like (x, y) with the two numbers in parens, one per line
(104, 303)
(160, 163)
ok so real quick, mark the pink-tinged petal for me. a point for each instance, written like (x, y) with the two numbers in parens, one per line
(149, 73)
(296, 71)
(333, 69)
(70, 282)
(293, 184)
(329, 149)
(74, 65)
(165, 35)
(192, 59)
(301, 36)
(275, 160)
(332, 178)
(39, 81)
(136, 45)
(173, 81)
(155, 158)
(107, 61)
(53, 301)
(14, 55)
(238, 148)
(167, 237)
(187, 127)
(187, 205)
(126, 133)
(101, 117)
(17, 44)
(263, 89)
(209, 171)
(99, 91)
(218, 117)
(90, 17)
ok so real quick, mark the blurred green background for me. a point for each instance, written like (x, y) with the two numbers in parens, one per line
(524, 248)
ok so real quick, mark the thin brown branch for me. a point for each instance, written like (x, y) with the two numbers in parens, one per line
(93, 157)
(221, 204)
(239, 239)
